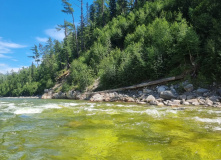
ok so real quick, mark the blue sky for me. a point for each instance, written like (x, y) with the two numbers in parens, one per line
(24, 23)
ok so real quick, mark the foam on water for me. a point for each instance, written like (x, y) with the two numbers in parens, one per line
(49, 106)
(217, 128)
(28, 111)
(208, 120)
(152, 112)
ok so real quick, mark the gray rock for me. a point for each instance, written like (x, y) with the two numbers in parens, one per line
(154, 102)
(182, 97)
(161, 89)
(217, 104)
(209, 102)
(196, 103)
(160, 104)
(174, 103)
(190, 97)
(193, 101)
(147, 91)
(97, 98)
(186, 103)
(167, 95)
(201, 90)
(219, 91)
(140, 92)
(150, 98)
(188, 87)
(215, 98)
(202, 101)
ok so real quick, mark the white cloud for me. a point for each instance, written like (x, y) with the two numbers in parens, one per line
(4, 68)
(5, 47)
(41, 39)
(53, 33)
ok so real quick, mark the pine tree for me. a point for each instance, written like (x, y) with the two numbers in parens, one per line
(112, 7)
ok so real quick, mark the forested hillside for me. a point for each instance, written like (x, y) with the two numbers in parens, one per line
(126, 42)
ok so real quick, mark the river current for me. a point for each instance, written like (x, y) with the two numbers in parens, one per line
(36, 129)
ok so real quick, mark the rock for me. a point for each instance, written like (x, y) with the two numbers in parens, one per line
(196, 103)
(59, 95)
(209, 102)
(167, 95)
(174, 103)
(219, 91)
(129, 99)
(217, 104)
(201, 101)
(166, 102)
(186, 103)
(188, 87)
(215, 98)
(190, 97)
(193, 102)
(97, 98)
(160, 104)
(47, 96)
(46, 90)
(182, 97)
(200, 91)
(154, 102)
(147, 91)
(161, 89)
(150, 98)
(140, 92)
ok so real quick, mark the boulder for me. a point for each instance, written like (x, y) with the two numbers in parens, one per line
(201, 91)
(188, 87)
(219, 91)
(167, 95)
(160, 104)
(97, 98)
(209, 102)
(161, 89)
(47, 96)
(153, 102)
(174, 103)
(129, 99)
(147, 91)
(150, 98)
(186, 103)
(194, 102)
(215, 98)
(217, 104)
(182, 97)
(190, 97)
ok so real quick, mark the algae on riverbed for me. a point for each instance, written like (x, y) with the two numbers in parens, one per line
(64, 129)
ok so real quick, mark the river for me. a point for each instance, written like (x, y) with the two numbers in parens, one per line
(36, 129)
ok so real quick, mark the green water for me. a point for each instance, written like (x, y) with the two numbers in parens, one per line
(35, 129)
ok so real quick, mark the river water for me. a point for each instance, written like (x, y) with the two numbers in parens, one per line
(36, 129)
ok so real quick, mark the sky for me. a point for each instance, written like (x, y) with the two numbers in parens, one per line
(25, 23)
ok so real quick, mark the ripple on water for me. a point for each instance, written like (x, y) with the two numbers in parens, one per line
(208, 120)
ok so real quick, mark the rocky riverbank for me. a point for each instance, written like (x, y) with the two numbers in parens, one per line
(163, 95)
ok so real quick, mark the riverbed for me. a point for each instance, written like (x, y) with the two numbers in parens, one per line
(36, 129)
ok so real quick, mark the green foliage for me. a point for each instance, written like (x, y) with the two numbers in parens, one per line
(81, 75)
(127, 42)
